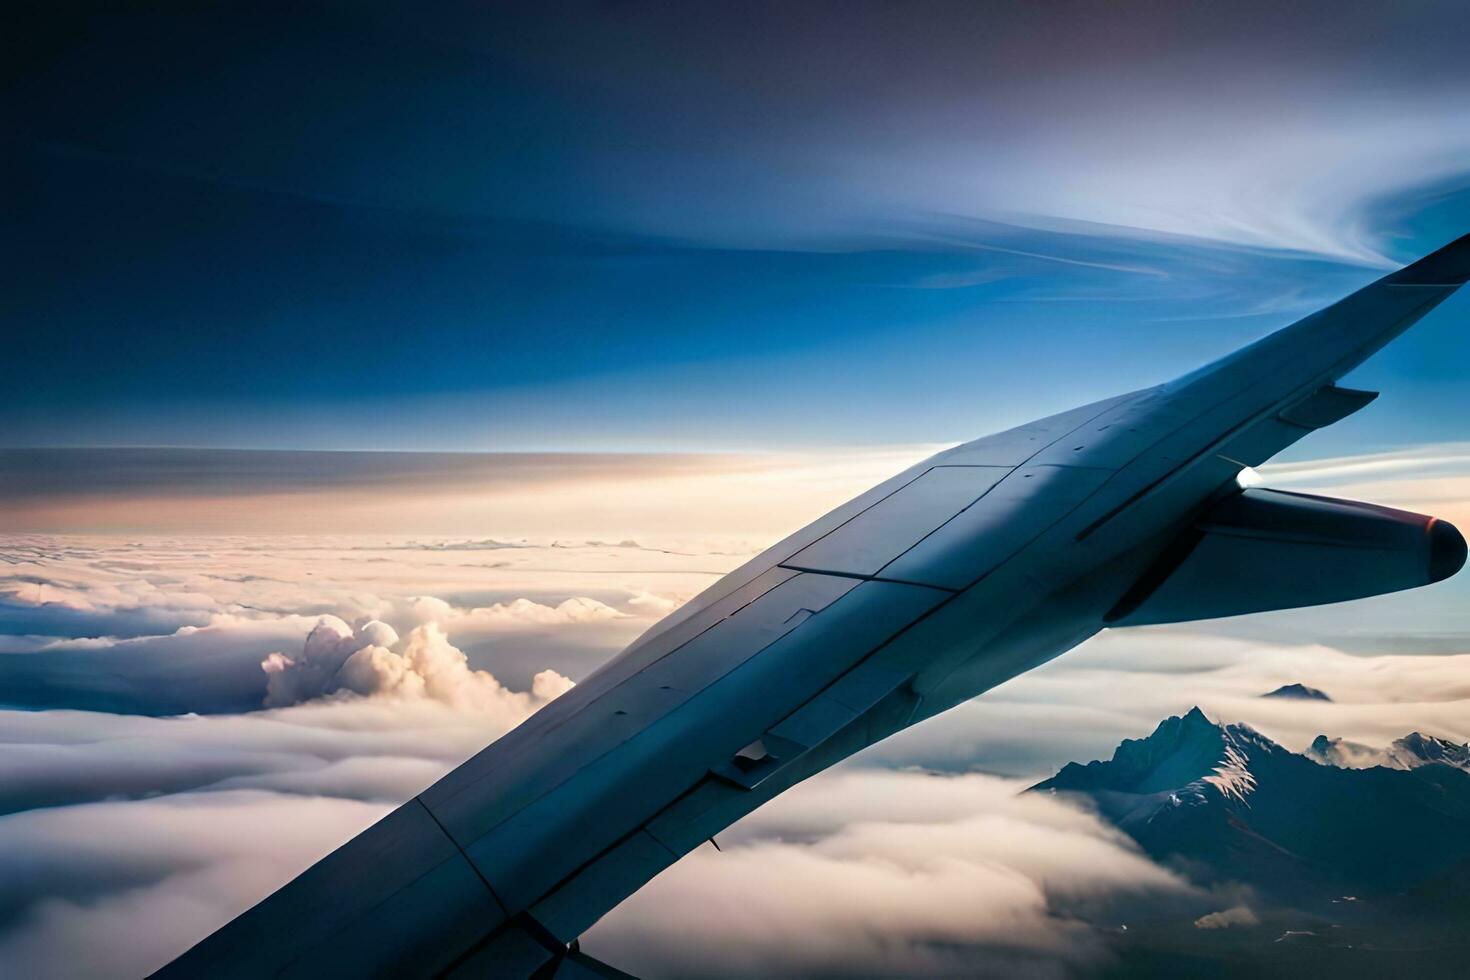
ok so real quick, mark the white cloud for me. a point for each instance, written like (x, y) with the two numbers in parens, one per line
(891, 874)
(655, 606)
(118, 889)
(379, 749)
(372, 661)
(517, 613)
(393, 658)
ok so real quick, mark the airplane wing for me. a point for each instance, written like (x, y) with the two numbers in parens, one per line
(953, 576)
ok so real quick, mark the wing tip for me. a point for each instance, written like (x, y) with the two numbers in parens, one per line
(1447, 266)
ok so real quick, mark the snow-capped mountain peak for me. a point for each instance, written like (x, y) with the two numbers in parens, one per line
(1237, 806)
(1187, 758)
(1410, 752)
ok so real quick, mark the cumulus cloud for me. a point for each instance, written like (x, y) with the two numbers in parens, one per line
(315, 671)
(372, 661)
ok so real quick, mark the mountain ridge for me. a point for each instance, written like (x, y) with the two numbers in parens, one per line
(1231, 804)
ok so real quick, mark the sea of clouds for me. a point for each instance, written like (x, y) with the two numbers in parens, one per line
(190, 720)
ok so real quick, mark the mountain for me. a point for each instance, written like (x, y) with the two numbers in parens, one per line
(1310, 867)
(1228, 804)
(1410, 752)
(1297, 692)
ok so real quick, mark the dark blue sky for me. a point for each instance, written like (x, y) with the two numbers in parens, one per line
(629, 226)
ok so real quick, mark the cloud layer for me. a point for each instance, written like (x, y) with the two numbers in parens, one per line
(891, 874)
(156, 779)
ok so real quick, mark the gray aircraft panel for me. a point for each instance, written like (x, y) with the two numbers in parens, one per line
(392, 894)
(419, 928)
(894, 524)
(773, 674)
(512, 952)
(1119, 435)
(978, 539)
(579, 902)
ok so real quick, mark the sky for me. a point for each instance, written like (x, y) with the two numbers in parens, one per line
(482, 338)
(633, 227)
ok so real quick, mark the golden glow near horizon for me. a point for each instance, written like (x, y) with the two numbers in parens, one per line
(749, 499)
(755, 497)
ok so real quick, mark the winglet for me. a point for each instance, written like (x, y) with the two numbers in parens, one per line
(1449, 266)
